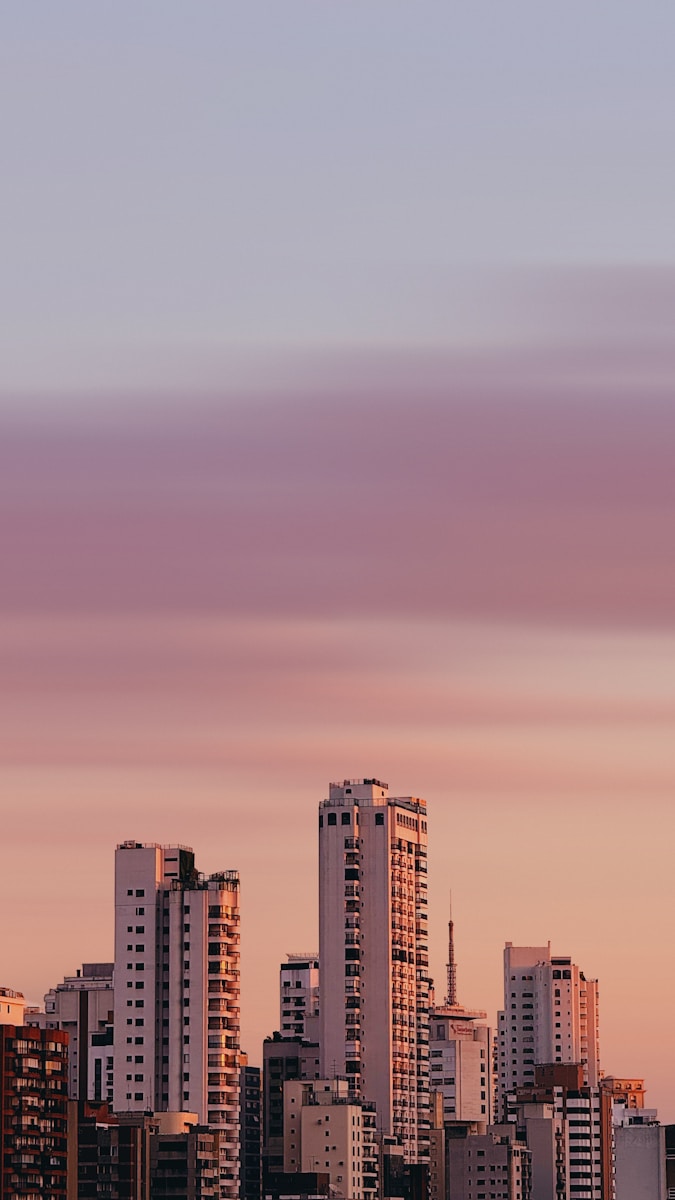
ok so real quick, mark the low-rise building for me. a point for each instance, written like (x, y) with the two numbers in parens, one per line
(327, 1129)
(493, 1164)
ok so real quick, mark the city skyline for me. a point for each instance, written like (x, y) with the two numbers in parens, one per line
(336, 440)
(254, 1028)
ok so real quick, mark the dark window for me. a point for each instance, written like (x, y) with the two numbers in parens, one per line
(379, 818)
(332, 818)
(140, 891)
(346, 818)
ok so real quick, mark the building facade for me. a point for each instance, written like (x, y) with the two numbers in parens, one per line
(177, 992)
(493, 1164)
(374, 1010)
(460, 1062)
(283, 1059)
(83, 1006)
(299, 996)
(586, 1146)
(250, 1104)
(34, 1112)
(550, 1015)
(12, 1007)
(326, 1129)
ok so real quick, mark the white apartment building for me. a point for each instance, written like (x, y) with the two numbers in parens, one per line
(327, 1130)
(374, 953)
(299, 996)
(177, 992)
(550, 1015)
(460, 1062)
(82, 1005)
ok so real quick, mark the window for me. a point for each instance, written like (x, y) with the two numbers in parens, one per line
(332, 818)
(140, 892)
(379, 818)
(140, 912)
(345, 818)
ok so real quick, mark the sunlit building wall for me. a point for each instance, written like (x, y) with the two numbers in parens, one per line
(374, 953)
(177, 992)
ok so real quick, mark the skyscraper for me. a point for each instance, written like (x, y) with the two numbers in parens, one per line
(550, 1016)
(374, 953)
(177, 992)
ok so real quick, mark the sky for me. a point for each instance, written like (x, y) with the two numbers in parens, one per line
(336, 440)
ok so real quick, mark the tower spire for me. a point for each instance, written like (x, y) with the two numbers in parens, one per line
(451, 997)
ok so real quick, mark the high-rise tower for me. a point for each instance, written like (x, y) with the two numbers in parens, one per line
(550, 1017)
(374, 953)
(177, 992)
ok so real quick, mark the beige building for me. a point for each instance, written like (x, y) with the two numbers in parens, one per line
(176, 1006)
(12, 1007)
(325, 1130)
(491, 1164)
(374, 953)
(550, 1016)
(460, 1062)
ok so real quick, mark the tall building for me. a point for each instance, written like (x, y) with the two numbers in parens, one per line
(373, 951)
(33, 1111)
(299, 996)
(83, 1006)
(177, 992)
(550, 1016)
(460, 1054)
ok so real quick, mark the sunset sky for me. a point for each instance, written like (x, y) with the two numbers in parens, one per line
(336, 439)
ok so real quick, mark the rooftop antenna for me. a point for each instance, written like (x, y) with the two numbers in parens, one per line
(451, 997)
